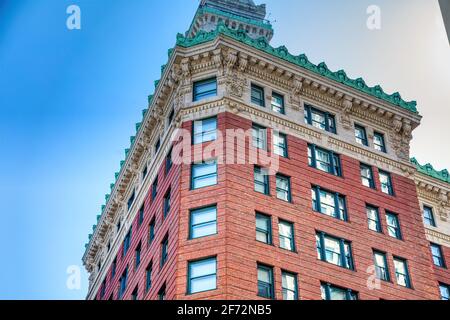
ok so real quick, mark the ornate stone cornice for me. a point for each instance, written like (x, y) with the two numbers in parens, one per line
(438, 237)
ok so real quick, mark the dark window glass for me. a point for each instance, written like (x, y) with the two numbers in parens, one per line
(162, 293)
(164, 250)
(148, 277)
(205, 89)
(428, 216)
(329, 203)
(126, 243)
(144, 172)
(257, 95)
(283, 188)
(123, 283)
(265, 282)
(167, 201)
(151, 231)
(203, 222)
(138, 256)
(324, 160)
(134, 294)
(334, 250)
(131, 200)
(141, 214)
(157, 145)
(320, 119)
(169, 161)
(155, 188)
(171, 115)
(113, 268)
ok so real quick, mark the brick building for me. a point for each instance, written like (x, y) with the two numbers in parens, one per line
(256, 174)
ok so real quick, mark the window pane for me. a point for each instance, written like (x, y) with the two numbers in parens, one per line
(259, 137)
(283, 188)
(203, 222)
(286, 235)
(205, 89)
(263, 229)
(318, 120)
(393, 225)
(401, 273)
(332, 251)
(277, 103)
(373, 219)
(261, 180)
(280, 144)
(205, 130)
(265, 282)
(337, 294)
(378, 142)
(289, 285)
(204, 175)
(257, 95)
(202, 275)
(445, 292)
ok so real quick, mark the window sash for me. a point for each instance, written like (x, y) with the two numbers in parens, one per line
(280, 144)
(204, 175)
(257, 95)
(334, 250)
(265, 287)
(331, 292)
(373, 218)
(386, 183)
(148, 278)
(164, 251)
(261, 181)
(328, 203)
(259, 137)
(203, 222)
(289, 286)
(445, 291)
(393, 226)
(324, 160)
(263, 228)
(367, 176)
(286, 235)
(205, 89)
(283, 188)
(204, 278)
(320, 119)
(381, 267)
(436, 252)
(277, 103)
(361, 135)
(401, 273)
(428, 216)
(378, 142)
(205, 130)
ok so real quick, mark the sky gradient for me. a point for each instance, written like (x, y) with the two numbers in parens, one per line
(69, 101)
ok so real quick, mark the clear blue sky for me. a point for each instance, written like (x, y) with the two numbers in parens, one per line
(69, 101)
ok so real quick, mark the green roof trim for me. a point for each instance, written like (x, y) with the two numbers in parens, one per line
(300, 60)
(429, 170)
(202, 11)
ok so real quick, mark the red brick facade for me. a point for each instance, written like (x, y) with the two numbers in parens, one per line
(238, 252)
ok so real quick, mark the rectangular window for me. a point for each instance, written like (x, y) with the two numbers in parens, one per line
(113, 268)
(202, 275)
(373, 218)
(141, 214)
(283, 188)
(134, 294)
(445, 291)
(103, 289)
(367, 176)
(334, 250)
(126, 243)
(438, 258)
(324, 160)
(131, 200)
(148, 277)
(393, 225)
(401, 272)
(286, 233)
(204, 174)
(144, 172)
(428, 216)
(123, 283)
(378, 142)
(164, 250)
(259, 137)
(258, 95)
(155, 188)
(381, 266)
(137, 256)
(329, 203)
(320, 119)
(166, 209)
(263, 228)
(203, 222)
(278, 103)
(265, 282)
(289, 286)
(171, 116)
(151, 231)
(205, 130)
(280, 144)
(162, 293)
(169, 161)
(361, 135)
(261, 180)
(386, 183)
(331, 292)
(157, 145)
(205, 89)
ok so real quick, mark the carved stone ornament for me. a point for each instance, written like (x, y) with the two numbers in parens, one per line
(347, 105)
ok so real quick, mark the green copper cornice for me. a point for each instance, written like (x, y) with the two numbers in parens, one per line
(429, 170)
(205, 10)
(300, 60)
